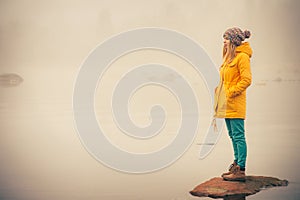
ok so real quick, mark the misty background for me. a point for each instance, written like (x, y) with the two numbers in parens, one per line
(45, 43)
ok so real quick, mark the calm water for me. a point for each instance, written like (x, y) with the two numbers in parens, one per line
(43, 158)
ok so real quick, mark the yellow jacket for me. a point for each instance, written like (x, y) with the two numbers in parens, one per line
(235, 78)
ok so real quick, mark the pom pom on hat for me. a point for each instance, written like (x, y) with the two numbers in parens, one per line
(236, 35)
(247, 34)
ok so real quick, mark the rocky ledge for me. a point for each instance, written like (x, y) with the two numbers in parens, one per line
(10, 80)
(218, 188)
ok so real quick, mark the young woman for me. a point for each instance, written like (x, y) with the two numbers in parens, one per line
(235, 78)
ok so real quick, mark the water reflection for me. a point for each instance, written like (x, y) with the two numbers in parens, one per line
(235, 197)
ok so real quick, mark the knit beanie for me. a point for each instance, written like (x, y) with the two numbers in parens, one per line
(236, 35)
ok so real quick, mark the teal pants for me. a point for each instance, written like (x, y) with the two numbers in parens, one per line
(236, 133)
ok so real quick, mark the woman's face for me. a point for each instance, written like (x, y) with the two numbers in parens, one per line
(226, 42)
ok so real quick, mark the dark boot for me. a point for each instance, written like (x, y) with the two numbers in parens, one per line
(230, 170)
(237, 175)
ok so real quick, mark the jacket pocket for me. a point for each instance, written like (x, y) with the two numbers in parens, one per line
(230, 102)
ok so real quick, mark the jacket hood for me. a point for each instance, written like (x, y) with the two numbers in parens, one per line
(244, 48)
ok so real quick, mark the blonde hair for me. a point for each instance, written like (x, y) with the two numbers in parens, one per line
(228, 52)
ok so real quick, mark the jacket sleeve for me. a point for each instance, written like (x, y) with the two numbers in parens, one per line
(245, 76)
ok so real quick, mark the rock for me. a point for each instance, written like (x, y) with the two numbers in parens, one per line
(10, 80)
(234, 190)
